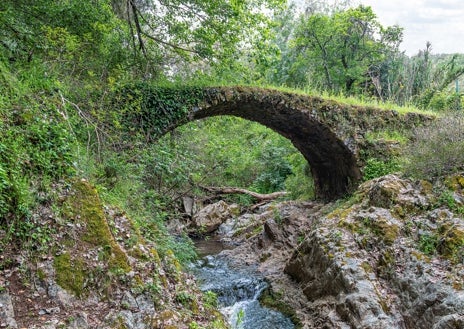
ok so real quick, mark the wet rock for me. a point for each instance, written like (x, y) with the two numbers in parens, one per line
(234, 224)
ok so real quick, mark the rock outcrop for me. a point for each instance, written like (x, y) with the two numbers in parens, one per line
(98, 273)
(391, 256)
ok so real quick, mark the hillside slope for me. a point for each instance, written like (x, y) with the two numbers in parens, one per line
(97, 271)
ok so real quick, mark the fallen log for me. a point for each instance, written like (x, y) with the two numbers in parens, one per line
(237, 190)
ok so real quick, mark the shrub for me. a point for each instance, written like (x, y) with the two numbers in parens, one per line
(376, 168)
(440, 100)
(437, 149)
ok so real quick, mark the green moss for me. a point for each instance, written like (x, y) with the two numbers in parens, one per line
(455, 182)
(367, 267)
(388, 232)
(398, 211)
(119, 324)
(86, 208)
(273, 300)
(70, 273)
(383, 229)
(426, 186)
(420, 256)
(452, 241)
(386, 263)
(343, 207)
(41, 274)
(341, 213)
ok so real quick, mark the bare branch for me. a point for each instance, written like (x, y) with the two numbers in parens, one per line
(237, 190)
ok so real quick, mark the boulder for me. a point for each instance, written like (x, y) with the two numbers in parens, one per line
(212, 216)
(390, 190)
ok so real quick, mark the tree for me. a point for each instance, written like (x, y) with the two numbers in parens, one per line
(148, 38)
(344, 51)
(202, 31)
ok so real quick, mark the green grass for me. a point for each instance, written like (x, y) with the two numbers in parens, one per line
(387, 135)
(307, 91)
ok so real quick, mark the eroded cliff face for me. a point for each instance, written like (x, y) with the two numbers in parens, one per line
(392, 259)
(391, 256)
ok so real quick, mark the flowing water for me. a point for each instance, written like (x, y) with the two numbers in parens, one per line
(238, 290)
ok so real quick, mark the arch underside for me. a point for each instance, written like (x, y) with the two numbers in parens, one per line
(333, 165)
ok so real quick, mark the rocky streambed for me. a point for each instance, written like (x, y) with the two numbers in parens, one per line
(391, 256)
(238, 290)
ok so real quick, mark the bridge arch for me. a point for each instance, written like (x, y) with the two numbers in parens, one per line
(328, 134)
(333, 165)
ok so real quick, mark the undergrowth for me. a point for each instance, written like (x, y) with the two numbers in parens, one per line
(437, 148)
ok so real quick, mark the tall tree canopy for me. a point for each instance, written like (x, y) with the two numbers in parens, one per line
(344, 50)
(172, 33)
(162, 35)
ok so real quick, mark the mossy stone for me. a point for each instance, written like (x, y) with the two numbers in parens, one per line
(86, 208)
(388, 232)
(452, 240)
(273, 300)
(455, 182)
(70, 273)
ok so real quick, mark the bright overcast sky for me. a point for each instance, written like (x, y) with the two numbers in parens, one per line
(439, 21)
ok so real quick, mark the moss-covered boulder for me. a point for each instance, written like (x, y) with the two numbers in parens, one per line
(451, 243)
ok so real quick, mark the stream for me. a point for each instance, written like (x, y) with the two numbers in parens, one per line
(237, 290)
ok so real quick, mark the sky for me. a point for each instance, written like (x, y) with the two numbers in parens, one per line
(439, 21)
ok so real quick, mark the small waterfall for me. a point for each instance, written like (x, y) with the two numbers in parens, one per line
(238, 291)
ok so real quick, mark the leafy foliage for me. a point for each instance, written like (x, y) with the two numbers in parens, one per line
(376, 168)
(152, 109)
(35, 143)
(343, 51)
(235, 152)
(172, 33)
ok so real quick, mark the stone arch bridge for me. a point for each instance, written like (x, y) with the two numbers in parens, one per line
(330, 135)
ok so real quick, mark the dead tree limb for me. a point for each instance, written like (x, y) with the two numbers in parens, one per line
(237, 190)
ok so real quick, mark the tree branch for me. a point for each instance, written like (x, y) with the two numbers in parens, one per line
(237, 190)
